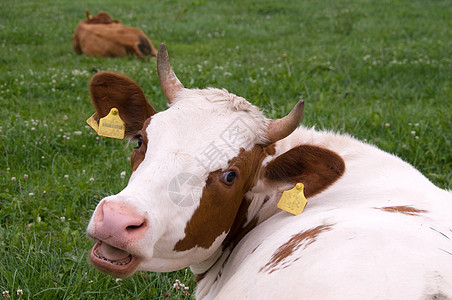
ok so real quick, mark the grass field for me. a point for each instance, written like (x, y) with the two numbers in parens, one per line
(379, 70)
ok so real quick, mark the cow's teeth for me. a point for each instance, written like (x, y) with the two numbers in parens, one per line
(121, 262)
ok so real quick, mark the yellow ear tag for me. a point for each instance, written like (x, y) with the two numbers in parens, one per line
(92, 121)
(293, 200)
(112, 125)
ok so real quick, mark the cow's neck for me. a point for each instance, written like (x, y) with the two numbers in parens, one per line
(247, 218)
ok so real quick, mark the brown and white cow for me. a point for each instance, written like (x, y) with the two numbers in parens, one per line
(207, 175)
(104, 37)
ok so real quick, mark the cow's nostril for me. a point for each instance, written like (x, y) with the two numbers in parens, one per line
(135, 227)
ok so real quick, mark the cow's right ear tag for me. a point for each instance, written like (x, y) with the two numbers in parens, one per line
(112, 125)
(293, 200)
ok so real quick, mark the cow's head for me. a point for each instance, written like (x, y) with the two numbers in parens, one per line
(193, 167)
(101, 18)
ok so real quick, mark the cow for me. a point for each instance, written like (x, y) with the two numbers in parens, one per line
(207, 175)
(104, 37)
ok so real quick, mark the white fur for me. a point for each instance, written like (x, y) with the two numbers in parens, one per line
(368, 253)
(181, 139)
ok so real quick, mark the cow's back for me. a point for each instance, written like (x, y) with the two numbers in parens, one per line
(382, 231)
(111, 40)
(343, 253)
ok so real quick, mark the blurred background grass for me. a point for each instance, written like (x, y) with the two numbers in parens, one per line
(380, 71)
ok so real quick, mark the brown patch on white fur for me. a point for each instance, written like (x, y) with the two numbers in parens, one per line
(140, 152)
(403, 209)
(316, 167)
(301, 239)
(221, 207)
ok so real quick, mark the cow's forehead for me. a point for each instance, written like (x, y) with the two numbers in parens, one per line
(204, 129)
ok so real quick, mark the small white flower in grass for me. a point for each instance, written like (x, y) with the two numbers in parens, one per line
(20, 292)
(83, 171)
(62, 219)
(83, 146)
(123, 174)
(66, 176)
(118, 280)
(6, 294)
(65, 117)
(90, 281)
(31, 194)
(413, 132)
(42, 157)
(32, 128)
(77, 133)
(387, 125)
(13, 178)
(91, 179)
(25, 176)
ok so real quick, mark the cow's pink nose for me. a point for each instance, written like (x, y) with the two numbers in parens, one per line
(118, 225)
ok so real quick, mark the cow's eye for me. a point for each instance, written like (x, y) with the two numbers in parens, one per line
(228, 177)
(140, 142)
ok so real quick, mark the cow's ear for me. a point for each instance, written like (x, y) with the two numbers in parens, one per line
(110, 90)
(314, 166)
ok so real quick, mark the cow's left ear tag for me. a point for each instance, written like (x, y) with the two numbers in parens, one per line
(112, 125)
(293, 200)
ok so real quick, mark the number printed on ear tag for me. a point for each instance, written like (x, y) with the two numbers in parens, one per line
(112, 125)
(293, 200)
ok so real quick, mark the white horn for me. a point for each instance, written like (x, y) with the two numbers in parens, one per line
(168, 80)
(279, 129)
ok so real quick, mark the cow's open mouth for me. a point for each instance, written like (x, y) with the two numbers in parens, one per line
(112, 260)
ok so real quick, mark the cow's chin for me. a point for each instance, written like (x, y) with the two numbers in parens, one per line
(113, 261)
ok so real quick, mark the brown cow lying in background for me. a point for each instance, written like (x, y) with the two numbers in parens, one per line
(102, 36)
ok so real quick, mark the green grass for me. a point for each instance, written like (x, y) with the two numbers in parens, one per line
(380, 70)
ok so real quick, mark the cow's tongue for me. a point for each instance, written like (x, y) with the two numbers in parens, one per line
(112, 253)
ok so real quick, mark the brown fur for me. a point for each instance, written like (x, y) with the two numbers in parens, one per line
(408, 210)
(303, 238)
(104, 37)
(222, 208)
(100, 18)
(315, 167)
(110, 90)
(140, 152)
